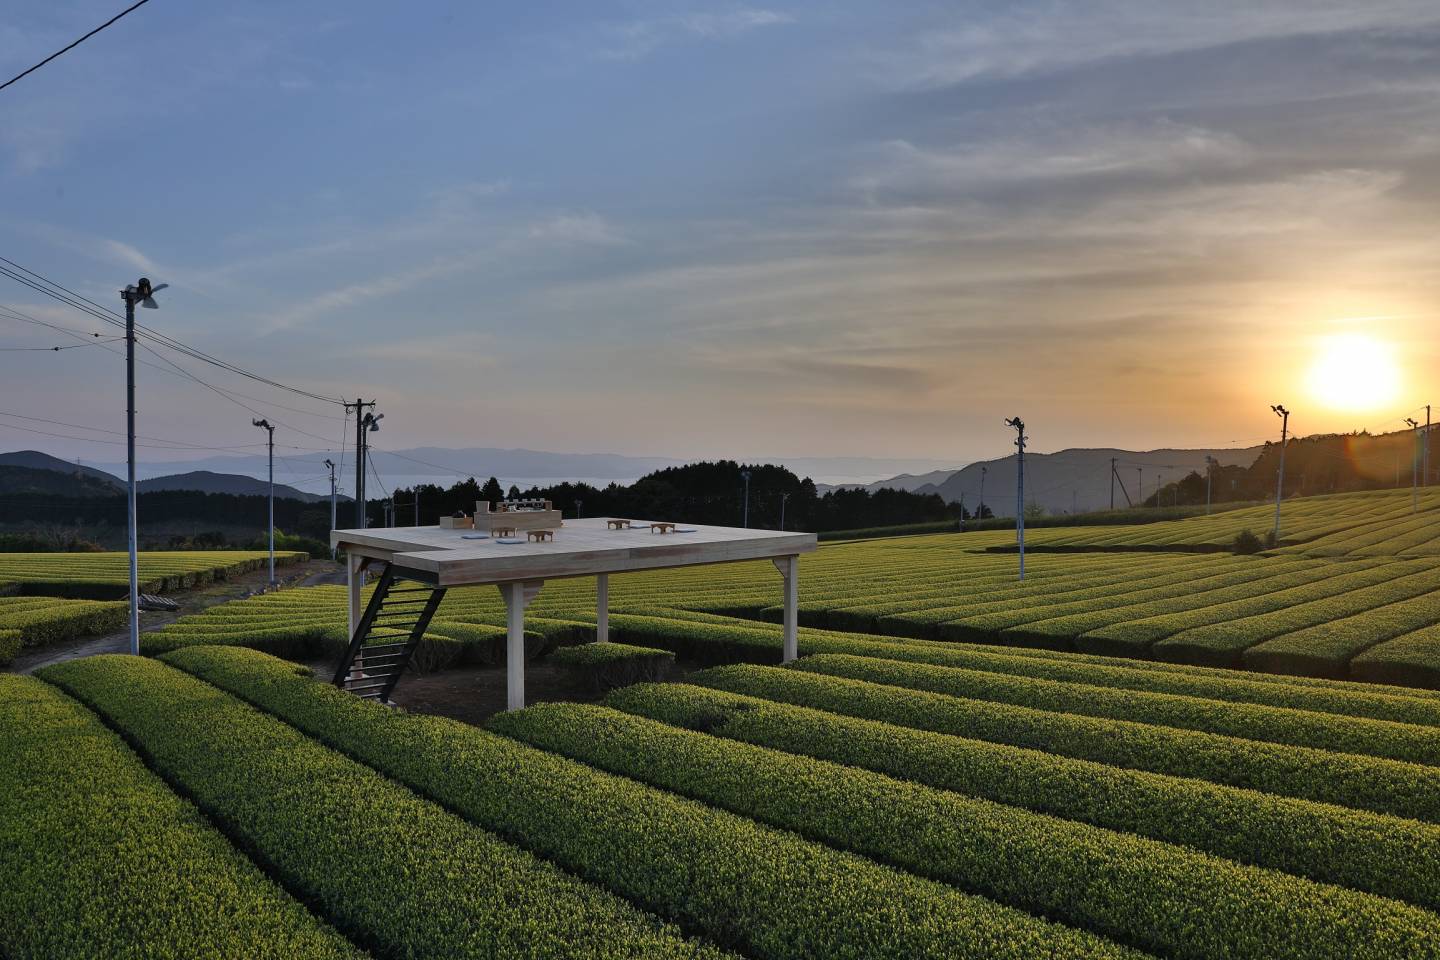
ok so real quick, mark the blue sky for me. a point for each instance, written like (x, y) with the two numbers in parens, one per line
(704, 229)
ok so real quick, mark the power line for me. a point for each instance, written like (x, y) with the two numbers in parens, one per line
(178, 444)
(42, 284)
(174, 370)
(68, 346)
(72, 46)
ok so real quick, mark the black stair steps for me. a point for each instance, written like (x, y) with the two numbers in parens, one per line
(371, 670)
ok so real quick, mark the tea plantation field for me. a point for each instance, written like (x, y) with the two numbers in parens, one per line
(106, 576)
(898, 801)
(1367, 618)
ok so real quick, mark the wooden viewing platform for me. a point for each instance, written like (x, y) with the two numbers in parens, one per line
(581, 548)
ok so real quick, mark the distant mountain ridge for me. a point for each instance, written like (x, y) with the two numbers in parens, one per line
(1078, 479)
(35, 460)
(33, 472)
(205, 481)
(54, 483)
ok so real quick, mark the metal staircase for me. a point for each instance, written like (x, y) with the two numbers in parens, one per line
(387, 635)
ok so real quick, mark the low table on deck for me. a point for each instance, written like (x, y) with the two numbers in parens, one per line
(581, 548)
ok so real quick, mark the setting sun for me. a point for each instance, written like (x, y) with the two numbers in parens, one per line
(1353, 371)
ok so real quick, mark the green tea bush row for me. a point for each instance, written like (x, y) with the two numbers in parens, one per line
(98, 858)
(1326, 649)
(1300, 728)
(1412, 659)
(105, 576)
(1155, 896)
(744, 641)
(9, 646)
(595, 668)
(56, 621)
(1365, 783)
(1133, 638)
(1060, 630)
(394, 872)
(765, 892)
(1006, 621)
(1224, 643)
(1384, 855)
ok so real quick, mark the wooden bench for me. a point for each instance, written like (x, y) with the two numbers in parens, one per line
(662, 526)
(502, 531)
(617, 524)
(540, 536)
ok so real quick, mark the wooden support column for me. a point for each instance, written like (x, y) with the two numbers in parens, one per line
(518, 595)
(602, 607)
(355, 581)
(789, 568)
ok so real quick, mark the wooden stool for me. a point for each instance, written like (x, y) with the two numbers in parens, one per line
(662, 526)
(502, 531)
(617, 524)
(540, 536)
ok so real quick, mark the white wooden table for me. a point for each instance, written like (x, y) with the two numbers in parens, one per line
(581, 548)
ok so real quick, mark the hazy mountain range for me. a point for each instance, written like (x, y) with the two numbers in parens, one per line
(1076, 479)
(30, 471)
(1073, 480)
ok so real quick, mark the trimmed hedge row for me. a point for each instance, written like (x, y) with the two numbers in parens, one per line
(41, 622)
(394, 872)
(596, 668)
(105, 576)
(1350, 780)
(9, 646)
(698, 634)
(763, 891)
(1061, 630)
(1388, 856)
(1326, 649)
(1223, 644)
(1298, 728)
(1135, 637)
(1007, 622)
(99, 859)
(1412, 659)
(945, 653)
(1155, 896)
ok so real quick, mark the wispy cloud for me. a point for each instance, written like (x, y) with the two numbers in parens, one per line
(581, 228)
(1035, 36)
(636, 39)
(1070, 152)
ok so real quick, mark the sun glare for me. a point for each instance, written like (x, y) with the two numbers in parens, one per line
(1353, 371)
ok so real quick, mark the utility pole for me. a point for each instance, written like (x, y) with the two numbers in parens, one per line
(1425, 450)
(1020, 438)
(745, 514)
(962, 511)
(785, 498)
(331, 465)
(1112, 483)
(140, 292)
(1414, 466)
(363, 421)
(1140, 488)
(981, 514)
(1284, 416)
(270, 442)
(1209, 475)
(417, 504)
